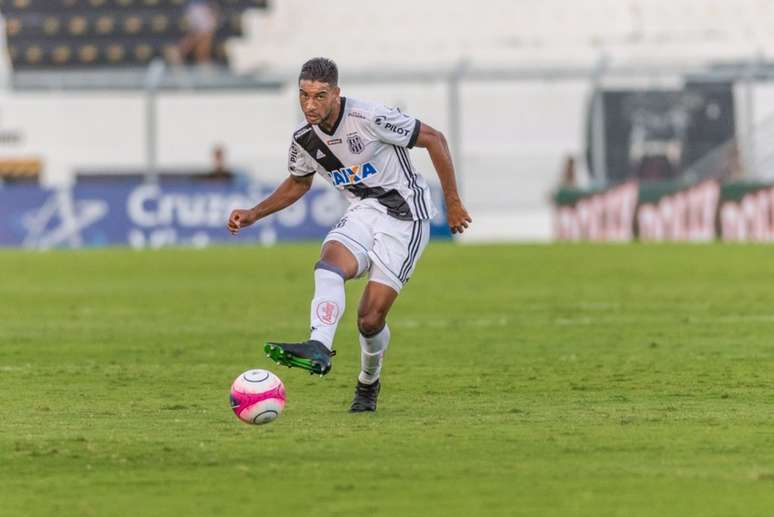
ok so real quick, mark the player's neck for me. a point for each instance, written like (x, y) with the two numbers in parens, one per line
(330, 120)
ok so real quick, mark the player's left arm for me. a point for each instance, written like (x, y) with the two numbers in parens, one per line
(435, 143)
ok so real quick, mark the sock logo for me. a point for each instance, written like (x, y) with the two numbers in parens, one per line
(327, 312)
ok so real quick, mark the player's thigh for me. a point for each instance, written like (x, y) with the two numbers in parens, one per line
(348, 243)
(398, 246)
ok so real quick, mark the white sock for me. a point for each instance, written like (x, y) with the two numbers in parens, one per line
(327, 304)
(372, 351)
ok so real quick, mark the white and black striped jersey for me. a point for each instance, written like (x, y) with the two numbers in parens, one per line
(365, 156)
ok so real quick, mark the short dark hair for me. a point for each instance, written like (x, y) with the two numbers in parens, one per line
(320, 69)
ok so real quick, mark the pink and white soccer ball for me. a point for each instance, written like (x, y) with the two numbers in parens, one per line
(257, 397)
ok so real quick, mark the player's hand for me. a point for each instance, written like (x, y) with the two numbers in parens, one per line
(240, 219)
(456, 215)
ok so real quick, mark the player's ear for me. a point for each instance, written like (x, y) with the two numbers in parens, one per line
(336, 91)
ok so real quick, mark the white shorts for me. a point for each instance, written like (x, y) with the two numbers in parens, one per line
(386, 247)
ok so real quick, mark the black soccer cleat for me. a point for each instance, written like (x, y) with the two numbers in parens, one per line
(365, 397)
(310, 355)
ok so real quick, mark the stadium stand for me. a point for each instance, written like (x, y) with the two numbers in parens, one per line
(66, 34)
(504, 31)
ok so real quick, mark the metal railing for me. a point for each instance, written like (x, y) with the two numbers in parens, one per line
(753, 147)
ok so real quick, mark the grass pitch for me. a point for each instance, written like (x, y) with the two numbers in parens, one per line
(521, 380)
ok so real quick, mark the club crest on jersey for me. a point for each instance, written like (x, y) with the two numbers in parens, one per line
(355, 143)
(352, 175)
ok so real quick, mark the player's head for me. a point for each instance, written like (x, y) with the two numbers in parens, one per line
(318, 89)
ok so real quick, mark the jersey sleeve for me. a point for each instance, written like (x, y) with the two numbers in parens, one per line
(392, 126)
(299, 163)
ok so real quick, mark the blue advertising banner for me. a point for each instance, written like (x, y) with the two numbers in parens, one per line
(144, 215)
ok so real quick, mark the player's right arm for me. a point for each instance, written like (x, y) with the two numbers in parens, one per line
(301, 168)
(288, 192)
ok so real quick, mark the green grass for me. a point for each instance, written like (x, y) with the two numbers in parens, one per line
(521, 380)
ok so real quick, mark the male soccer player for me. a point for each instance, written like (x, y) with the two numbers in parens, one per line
(361, 149)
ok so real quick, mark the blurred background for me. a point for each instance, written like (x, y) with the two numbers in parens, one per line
(143, 122)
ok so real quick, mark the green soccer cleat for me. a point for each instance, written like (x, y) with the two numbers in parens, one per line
(310, 355)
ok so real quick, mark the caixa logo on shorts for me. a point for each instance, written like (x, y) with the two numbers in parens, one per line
(352, 175)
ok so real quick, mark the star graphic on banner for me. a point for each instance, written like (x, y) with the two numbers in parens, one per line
(60, 220)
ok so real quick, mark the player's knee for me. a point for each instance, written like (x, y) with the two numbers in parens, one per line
(338, 256)
(371, 322)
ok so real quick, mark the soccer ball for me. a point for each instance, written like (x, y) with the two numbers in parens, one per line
(257, 397)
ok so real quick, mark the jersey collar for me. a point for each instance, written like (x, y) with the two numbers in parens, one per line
(338, 120)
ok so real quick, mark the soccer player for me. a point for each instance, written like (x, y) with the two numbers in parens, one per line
(361, 149)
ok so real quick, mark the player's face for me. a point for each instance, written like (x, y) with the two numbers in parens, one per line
(318, 100)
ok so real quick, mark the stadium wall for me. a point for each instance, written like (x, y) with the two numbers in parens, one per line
(514, 137)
